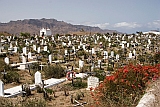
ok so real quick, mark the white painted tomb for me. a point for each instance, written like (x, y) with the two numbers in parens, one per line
(1, 88)
(92, 82)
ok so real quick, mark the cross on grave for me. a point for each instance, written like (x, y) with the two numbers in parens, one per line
(105, 55)
(4, 73)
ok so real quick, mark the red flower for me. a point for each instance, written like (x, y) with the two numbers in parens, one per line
(125, 70)
(110, 78)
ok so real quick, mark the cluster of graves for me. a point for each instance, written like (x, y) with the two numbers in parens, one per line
(76, 52)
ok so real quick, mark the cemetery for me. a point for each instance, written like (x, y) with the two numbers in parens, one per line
(93, 69)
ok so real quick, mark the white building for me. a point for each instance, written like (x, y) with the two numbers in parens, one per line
(45, 32)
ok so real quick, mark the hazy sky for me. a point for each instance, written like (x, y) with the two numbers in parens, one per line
(123, 15)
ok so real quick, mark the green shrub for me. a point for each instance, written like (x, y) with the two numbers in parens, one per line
(12, 76)
(54, 71)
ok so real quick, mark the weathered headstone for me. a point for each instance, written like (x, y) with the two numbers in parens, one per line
(38, 50)
(25, 51)
(122, 46)
(38, 79)
(92, 82)
(50, 58)
(1, 88)
(81, 63)
(45, 48)
(99, 63)
(34, 47)
(130, 54)
(105, 54)
(6, 60)
(93, 51)
(24, 59)
(117, 57)
(15, 49)
(112, 53)
(29, 55)
(66, 52)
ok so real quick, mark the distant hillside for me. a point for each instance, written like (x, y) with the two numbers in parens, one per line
(33, 26)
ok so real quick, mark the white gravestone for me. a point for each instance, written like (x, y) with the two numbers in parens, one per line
(66, 52)
(42, 42)
(38, 50)
(1, 89)
(109, 44)
(112, 53)
(34, 47)
(70, 43)
(92, 82)
(127, 45)
(105, 54)
(93, 51)
(122, 46)
(37, 77)
(95, 41)
(99, 63)
(11, 46)
(16, 43)
(117, 57)
(45, 48)
(134, 52)
(6, 60)
(29, 55)
(25, 51)
(81, 63)
(15, 49)
(130, 54)
(24, 59)
(50, 58)
(84, 47)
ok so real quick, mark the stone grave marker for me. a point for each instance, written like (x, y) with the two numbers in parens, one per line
(105, 54)
(93, 51)
(25, 51)
(34, 47)
(29, 55)
(37, 77)
(81, 63)
(117, 57)
(99, 63)
(127, 45)
(66, 52)
(24, 59)
(1, 88)
(15, 49)
(6, 60)
(45, 48)
(50, 58)
(112, 53)
(38, 50)
(92, 82)
(122, 46)
(130, 54)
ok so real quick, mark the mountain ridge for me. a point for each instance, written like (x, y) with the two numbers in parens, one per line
(33, 26)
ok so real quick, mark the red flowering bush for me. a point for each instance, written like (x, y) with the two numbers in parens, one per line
(126, 86)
